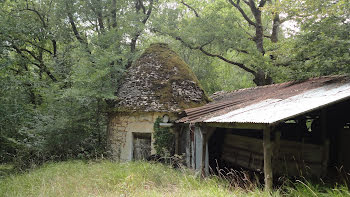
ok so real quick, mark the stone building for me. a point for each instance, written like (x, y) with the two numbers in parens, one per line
(158, 83)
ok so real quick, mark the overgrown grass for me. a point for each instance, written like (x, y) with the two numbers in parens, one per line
(104, 178)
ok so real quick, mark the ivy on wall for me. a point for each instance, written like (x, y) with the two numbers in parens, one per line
(163, 139)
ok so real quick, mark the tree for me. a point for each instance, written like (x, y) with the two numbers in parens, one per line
(321, 46)
(248, 34)
(241, 33)
(60, 63)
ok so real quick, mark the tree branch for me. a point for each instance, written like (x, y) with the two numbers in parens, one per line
(242, 66)
(201, 48)
(74, 27)
(275, 28)
(142, 6)
(262, 3)
(100, 17)
(54, 46)
(40, 65)
(137, 35)
(46, 50)
(245, 16)
(149, 11)
(114, 13)
(191, 8)
(37, 13)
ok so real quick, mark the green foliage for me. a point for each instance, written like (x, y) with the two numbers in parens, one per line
(163, 139)
(60, 62)
(322, 48)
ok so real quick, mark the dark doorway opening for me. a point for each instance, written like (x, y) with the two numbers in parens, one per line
(141, 146)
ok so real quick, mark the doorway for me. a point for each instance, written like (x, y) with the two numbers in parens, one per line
(141, 146)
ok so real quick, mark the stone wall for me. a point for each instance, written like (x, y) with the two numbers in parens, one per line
(121, 128)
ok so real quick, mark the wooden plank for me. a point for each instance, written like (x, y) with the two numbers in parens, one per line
(252, 144)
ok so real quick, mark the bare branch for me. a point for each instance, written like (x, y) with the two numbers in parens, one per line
(191, 8)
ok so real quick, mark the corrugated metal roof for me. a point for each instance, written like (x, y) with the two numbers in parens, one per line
(273, 103)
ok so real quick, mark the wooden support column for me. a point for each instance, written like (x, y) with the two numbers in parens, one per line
(324, 125)
(267, 159)
(176, 142)
(325, 142)
(204, 151)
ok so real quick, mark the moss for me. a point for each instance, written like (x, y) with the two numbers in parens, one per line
(170, 68)
(170, 60)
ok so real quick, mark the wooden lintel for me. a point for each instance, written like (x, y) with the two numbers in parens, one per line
(257, 126)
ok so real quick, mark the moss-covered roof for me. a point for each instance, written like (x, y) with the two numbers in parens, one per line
(159, 81)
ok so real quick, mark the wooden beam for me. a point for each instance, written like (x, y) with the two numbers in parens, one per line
(257, 126)
(267, 159)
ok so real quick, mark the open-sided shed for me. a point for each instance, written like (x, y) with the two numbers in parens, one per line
(288, 128)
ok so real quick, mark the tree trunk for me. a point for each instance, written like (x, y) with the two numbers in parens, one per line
(114, 14)
(261, 78)
(275, 28)
(259, 33)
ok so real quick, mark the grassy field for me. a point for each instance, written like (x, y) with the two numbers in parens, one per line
(104, 178)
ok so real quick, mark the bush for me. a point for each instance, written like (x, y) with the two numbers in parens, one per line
(163, 139)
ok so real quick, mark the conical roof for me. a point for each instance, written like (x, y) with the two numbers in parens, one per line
(159, 81)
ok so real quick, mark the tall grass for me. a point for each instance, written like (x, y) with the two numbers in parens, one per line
(104, 178)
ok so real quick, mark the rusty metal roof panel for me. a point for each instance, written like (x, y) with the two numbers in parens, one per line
(270, 104)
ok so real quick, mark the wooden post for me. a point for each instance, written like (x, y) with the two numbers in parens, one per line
(188, 147)
(324, 125)
(204, 150)
(176, 142)
(325, 141)
(267, 159)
